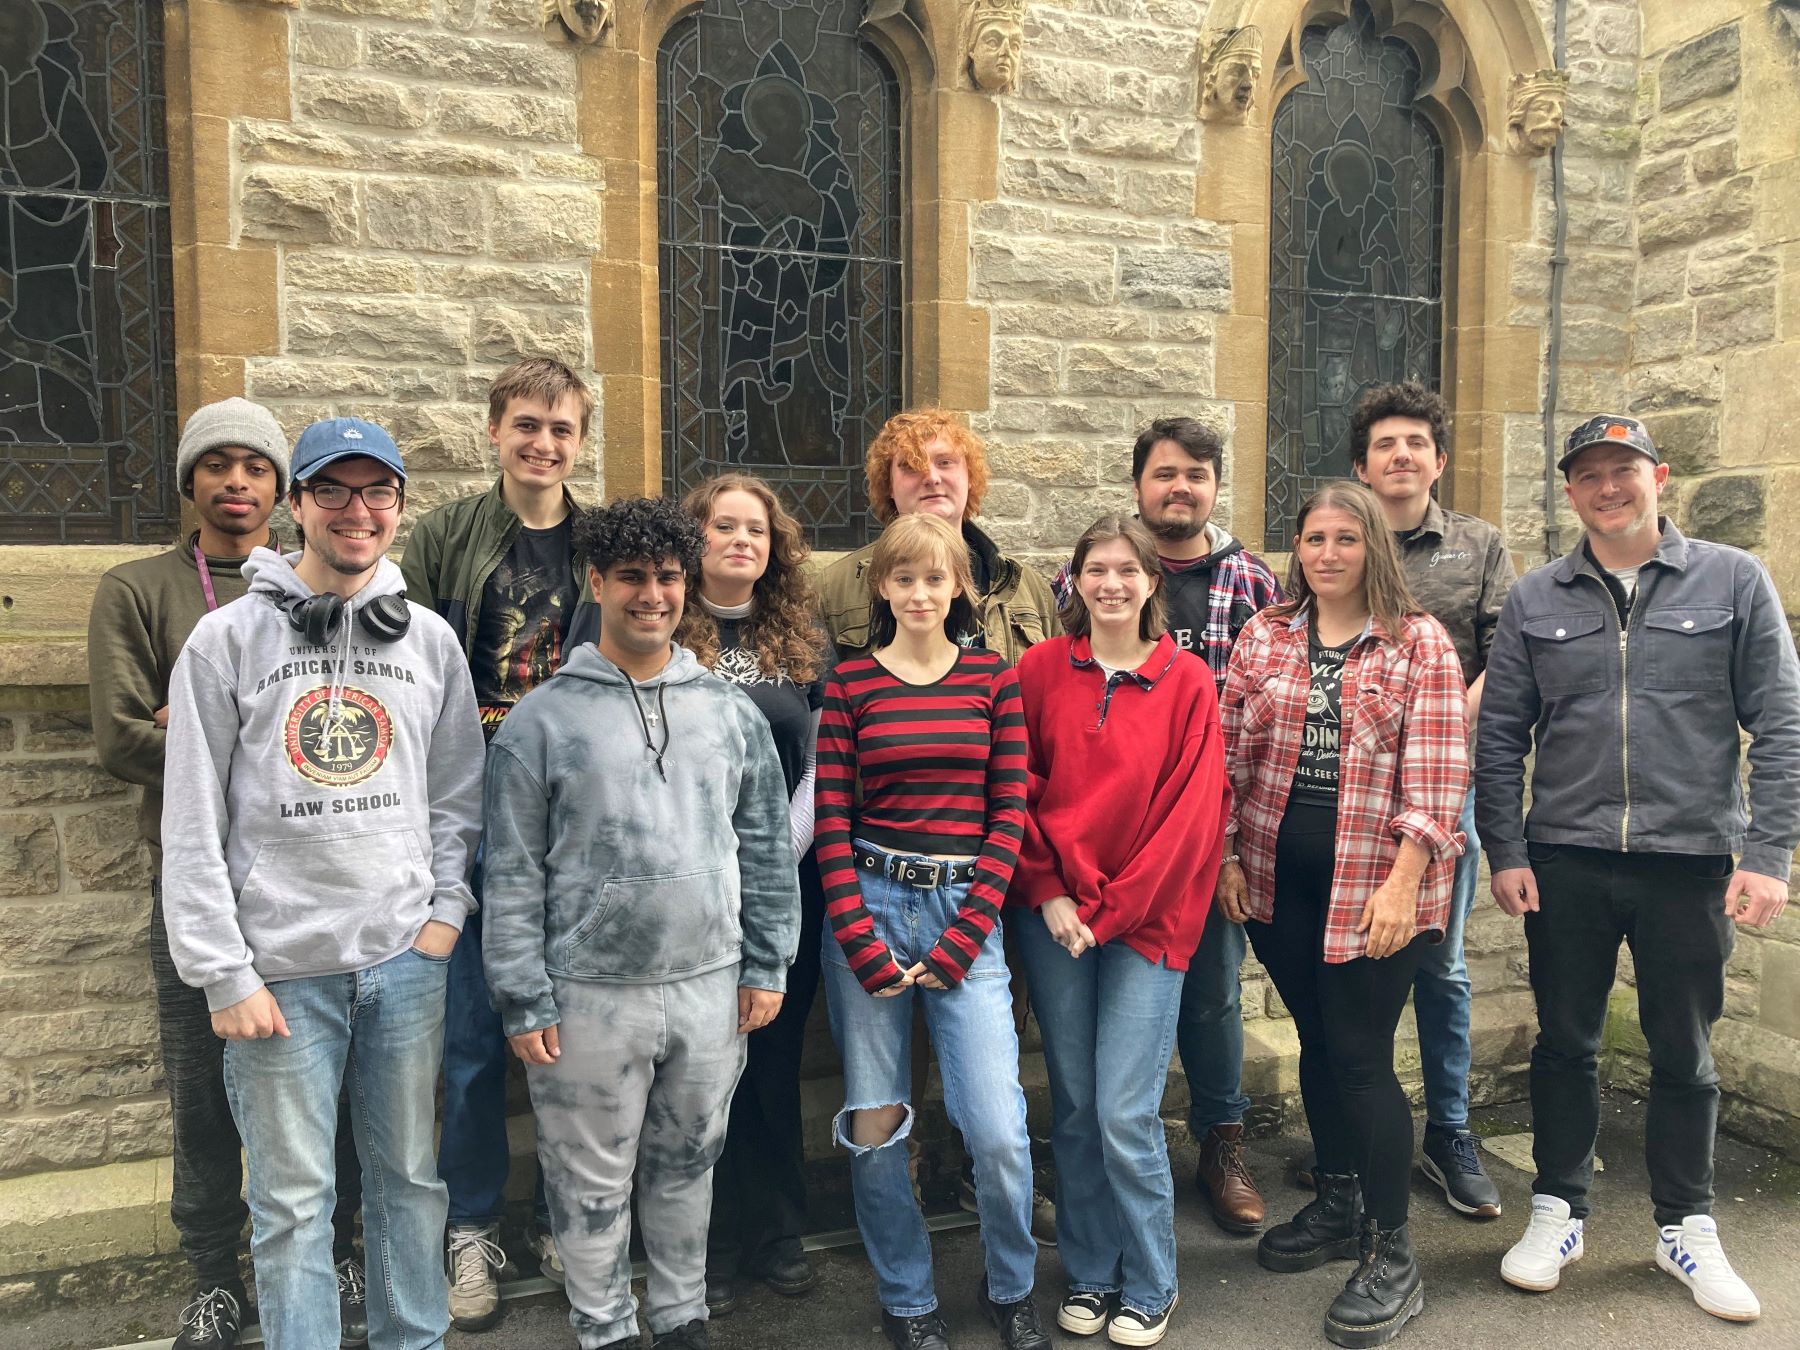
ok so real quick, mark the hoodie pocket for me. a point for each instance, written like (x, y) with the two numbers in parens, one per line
(337, 902)
(649, 928)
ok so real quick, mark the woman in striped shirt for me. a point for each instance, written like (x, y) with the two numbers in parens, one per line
(915, 870)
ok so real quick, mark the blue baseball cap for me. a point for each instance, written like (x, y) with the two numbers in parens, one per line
(338, 438)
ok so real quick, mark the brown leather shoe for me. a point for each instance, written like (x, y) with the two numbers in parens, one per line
(1224, 1179)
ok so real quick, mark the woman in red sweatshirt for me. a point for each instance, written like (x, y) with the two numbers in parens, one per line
(1125, 810)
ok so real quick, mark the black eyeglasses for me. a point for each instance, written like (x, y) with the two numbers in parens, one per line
(336, 496)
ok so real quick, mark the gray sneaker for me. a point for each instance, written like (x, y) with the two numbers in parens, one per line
(1452, 1158)
(475, 1260)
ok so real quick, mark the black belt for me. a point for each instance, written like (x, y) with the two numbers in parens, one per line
(923, 873)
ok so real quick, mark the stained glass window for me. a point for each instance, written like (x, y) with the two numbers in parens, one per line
(779, 180)
(87, 417)
(1355, 252)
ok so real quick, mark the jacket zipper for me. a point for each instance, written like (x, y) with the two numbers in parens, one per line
(1625, 738)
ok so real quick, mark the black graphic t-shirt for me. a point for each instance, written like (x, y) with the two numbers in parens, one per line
(788, 706)
(525, 611)
(1316, 775)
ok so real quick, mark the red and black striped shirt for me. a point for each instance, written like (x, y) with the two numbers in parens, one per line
(942, 767)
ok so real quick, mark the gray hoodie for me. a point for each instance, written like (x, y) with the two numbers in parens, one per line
(601, 865)
(319, 802)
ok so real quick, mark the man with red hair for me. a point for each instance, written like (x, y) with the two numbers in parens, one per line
(927, 460)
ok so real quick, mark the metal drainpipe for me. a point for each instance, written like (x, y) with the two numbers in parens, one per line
(1559, 262)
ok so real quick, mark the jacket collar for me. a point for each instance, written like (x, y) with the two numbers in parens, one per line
(1433, 523)
(1156, 665)
(494, 502)
(1671, 552)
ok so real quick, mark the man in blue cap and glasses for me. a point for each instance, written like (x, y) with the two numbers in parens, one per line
(322, 795)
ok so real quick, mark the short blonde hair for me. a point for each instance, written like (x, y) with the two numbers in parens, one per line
(902, 440)
(920, 538)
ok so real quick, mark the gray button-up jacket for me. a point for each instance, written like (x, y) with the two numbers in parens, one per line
(1636, 728)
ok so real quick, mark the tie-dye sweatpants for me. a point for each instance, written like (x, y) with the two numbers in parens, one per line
(640, 1095)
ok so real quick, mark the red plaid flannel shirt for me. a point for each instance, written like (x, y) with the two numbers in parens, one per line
(1403, 762)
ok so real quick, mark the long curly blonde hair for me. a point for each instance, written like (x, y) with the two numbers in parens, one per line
(780, 628)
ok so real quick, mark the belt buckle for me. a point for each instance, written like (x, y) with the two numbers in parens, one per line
(924, 875)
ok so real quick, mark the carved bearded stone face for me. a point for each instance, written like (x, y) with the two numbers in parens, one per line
(994, 49)
(1540, 121)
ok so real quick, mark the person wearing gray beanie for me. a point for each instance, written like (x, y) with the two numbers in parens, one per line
(236, 422)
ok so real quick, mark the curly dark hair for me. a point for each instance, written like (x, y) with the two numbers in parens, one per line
(781, 629)
(638, 529)
(1407, 399)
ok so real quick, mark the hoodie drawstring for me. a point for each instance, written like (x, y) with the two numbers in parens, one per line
(334, 708)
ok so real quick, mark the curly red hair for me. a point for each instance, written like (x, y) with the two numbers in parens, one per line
(902, 440)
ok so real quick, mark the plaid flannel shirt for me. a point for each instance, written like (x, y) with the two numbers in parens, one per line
(1403, 763)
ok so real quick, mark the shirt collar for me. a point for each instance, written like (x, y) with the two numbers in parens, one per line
(1155, 666)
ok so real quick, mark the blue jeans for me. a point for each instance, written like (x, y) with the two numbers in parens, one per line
(1108, 1019)
(378, 1032)
(971, 1027)
(473, 1154)
(1210, 1031)
(1441, 996)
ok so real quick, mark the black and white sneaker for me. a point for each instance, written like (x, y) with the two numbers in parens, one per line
(353, 1305)
(1452, 1159)
(211, 1322)
(1131, 1327)
(1085, 1314)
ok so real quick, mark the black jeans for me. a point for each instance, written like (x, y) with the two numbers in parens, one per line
(1669, 908)
(759, 1184)
(206, 1201)
(1346, 1014)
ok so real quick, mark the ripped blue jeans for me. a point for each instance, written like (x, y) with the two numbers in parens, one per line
(971, 1028)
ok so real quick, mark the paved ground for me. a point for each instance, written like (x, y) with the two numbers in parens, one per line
(1614, 1297)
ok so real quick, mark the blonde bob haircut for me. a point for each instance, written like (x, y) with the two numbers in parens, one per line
(902, 440)
(1153, 617)
(920, 540)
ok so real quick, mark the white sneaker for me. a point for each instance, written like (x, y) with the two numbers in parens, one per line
(1552, 1240)
(475, 1260)
(542, 1244)
(1691, 1253)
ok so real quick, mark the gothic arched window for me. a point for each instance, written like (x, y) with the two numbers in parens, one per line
(1355, 252)
(779, 180)
(87, 409)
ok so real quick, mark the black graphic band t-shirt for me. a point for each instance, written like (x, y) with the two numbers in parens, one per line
(525, 610)
(1316, 775)
(788, 706)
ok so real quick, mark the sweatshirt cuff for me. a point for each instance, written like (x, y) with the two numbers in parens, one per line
(756, 975)
(939, 964)
(448, 909)
(1767, 860)
(1506, 854)
(232, 989)
(519, 1018)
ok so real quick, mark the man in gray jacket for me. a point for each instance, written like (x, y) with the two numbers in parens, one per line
(642, 907)
(1632, 664)
(320, 793)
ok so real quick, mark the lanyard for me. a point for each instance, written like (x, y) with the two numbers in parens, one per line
(212, 601)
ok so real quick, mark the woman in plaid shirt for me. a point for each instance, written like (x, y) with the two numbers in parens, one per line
(1345, 739)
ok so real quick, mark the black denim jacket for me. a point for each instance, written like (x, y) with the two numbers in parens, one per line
(1636, 727)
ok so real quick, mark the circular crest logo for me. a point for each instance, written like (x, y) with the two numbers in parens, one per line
(338, 751)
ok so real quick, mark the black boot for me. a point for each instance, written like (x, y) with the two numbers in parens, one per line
(1324, 1230)
(1384, 1293)
(1018, 1322)
(924, 1332)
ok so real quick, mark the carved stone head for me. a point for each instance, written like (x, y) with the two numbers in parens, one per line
(586, 20)
(1534, 112)
(996, 36)
(1233, 65)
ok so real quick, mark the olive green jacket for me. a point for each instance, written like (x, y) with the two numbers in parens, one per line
(1017, 610)
(455, 549)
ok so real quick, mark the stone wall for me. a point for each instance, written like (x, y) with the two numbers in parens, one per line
(1715, 353)
(432, 216)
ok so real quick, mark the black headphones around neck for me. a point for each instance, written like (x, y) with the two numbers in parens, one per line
(385, 618)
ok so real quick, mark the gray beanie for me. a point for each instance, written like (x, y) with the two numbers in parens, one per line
(231, 421)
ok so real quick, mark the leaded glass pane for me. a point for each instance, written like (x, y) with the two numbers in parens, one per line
(87, 417)
(779, 164)
(1355, 252)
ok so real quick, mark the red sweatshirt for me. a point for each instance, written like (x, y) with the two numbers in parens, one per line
(1125, 796)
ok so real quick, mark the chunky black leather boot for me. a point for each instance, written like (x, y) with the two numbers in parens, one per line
(1325, 1229)
(1383, 1294)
